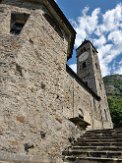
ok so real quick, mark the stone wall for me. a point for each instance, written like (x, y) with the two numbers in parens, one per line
(32, 93)
(37, 95)
(4, 21)
(102, 106)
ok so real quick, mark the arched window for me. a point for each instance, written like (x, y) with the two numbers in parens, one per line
(54, 24)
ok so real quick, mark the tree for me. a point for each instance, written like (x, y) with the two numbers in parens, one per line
(115, 105)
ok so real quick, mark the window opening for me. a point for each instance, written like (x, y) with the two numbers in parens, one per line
(100, 85)
(18, 21)
(16, 29)
(96, 65)
(81, 51)
(84, 49)
(84, 65)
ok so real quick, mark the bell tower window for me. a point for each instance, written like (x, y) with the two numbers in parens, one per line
(84, 49)
(84, 65)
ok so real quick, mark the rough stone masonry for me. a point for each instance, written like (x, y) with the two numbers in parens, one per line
(43, 104)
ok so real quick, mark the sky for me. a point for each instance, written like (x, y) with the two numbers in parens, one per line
(99, 21)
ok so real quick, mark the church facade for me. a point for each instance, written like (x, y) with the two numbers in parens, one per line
(44, 105)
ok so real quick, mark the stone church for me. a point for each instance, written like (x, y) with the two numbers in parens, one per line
(44, 105)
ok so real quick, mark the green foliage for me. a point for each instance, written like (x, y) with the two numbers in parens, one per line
(115, 105)
(113, 85)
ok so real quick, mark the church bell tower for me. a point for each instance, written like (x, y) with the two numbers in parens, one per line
(88, 69)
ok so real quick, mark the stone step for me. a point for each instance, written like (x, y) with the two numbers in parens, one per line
(96, 148)
(99, 140)
(92, 160)
(105, 130)
(105, 133)
(85, 143)
(101, 137)
(105, 154)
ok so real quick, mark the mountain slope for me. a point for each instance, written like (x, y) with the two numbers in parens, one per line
(113, 86)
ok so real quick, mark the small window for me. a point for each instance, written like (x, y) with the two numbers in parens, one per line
(16, 29)
(100, 86)
(84, 49)
(84, 65)
(96, 65)
(18, 21)
(81, 51)
(54, 24)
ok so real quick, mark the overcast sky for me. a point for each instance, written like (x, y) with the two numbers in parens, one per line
(101, 22)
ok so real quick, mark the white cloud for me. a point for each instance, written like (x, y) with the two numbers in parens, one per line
(116, 38)
(85, 24)
(73, 67)
(100, 41)
(105, 31)
(112, 18)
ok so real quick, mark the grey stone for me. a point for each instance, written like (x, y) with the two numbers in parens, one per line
(36, 91)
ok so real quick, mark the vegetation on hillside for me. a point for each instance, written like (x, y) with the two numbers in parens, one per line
(113, 85)
(115, 105)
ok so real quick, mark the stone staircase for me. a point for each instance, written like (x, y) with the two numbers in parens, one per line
(96, 146)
